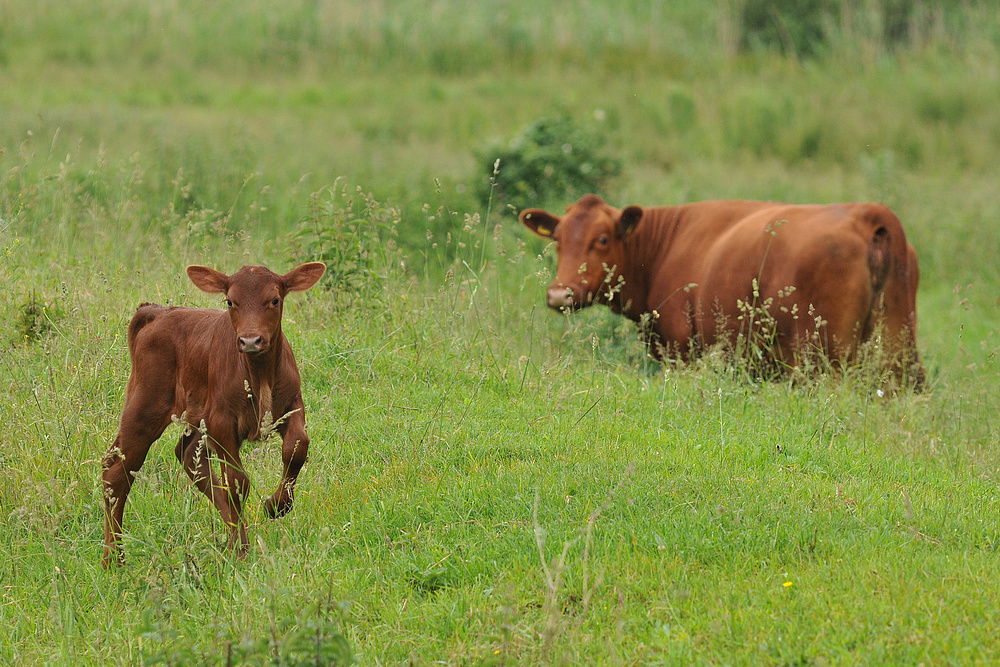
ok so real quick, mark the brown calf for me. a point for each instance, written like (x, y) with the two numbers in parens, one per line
(222, 372)
(825, 277)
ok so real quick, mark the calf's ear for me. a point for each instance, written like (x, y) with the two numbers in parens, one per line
(208, 280)
(539, 221)
(629, 219)
(303, 277)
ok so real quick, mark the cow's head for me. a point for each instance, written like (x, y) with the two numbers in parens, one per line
(590, 241)
(255, 297)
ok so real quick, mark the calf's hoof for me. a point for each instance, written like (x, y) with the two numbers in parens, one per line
(276, 508)
(112, 558)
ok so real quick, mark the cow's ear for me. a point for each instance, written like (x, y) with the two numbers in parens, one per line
(539, 221)
(303, 277)
(208, 280)
(630, 218)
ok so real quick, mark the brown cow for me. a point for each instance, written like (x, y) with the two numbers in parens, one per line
(226, 374)
(809, 278)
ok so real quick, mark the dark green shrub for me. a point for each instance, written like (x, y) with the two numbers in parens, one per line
(804, 27)
(790, 26)
(311, 637)
(551, 161)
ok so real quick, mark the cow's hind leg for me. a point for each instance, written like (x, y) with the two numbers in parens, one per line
(294, 450)
(899, 319)
(145, 417)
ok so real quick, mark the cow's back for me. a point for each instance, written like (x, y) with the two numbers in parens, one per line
(677, 243)
(724, 262)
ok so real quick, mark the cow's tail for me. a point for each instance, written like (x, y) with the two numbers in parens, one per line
(879, 260)
(144, 314)
(894, 275)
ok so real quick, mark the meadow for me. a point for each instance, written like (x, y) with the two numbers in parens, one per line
(490, 482)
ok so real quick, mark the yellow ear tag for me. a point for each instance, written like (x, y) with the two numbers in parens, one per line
(544, 231)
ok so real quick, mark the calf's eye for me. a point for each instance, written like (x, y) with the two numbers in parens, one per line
(603, 240)
(276, 301)
(229, 304)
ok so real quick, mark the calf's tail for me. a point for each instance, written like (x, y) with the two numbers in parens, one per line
(144, 314)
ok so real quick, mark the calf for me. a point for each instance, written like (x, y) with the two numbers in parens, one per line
(821, 277)
(225, 373)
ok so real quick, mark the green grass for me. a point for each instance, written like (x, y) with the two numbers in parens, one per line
(489, 482)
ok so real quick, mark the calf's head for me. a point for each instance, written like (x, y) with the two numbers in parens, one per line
(590, 242)
(255, 297)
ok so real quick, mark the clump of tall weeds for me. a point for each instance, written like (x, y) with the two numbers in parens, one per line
(555, 569)
(36, 318)
(311, 637)
(355, 236)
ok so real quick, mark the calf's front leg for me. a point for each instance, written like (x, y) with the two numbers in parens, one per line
(236, 481)
(235, 487)
(196, 458)
(294, 449)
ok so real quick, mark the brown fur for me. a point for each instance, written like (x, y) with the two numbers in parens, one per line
(198, 363)
(691, 266)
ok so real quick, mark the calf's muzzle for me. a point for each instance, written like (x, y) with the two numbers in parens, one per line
(252, 344)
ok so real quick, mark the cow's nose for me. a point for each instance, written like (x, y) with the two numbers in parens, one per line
(559, 297)
(252, 344)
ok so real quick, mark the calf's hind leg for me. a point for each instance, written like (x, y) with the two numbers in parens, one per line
(145, 417)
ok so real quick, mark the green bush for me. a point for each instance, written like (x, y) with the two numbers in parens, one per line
(551, 161)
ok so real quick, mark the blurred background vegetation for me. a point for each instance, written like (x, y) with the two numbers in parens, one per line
(226, 116)
(414, 99)
(137, 136)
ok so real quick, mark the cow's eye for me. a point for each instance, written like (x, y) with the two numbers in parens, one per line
(229, 304)
(276, 301)
(603, 240)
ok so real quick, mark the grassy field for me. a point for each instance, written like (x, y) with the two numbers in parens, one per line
(489, 482)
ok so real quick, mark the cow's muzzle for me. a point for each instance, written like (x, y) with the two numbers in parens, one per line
(252, 344)
(560, 297)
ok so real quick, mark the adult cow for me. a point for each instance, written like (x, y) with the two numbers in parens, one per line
(797, 278)
(228, 375)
